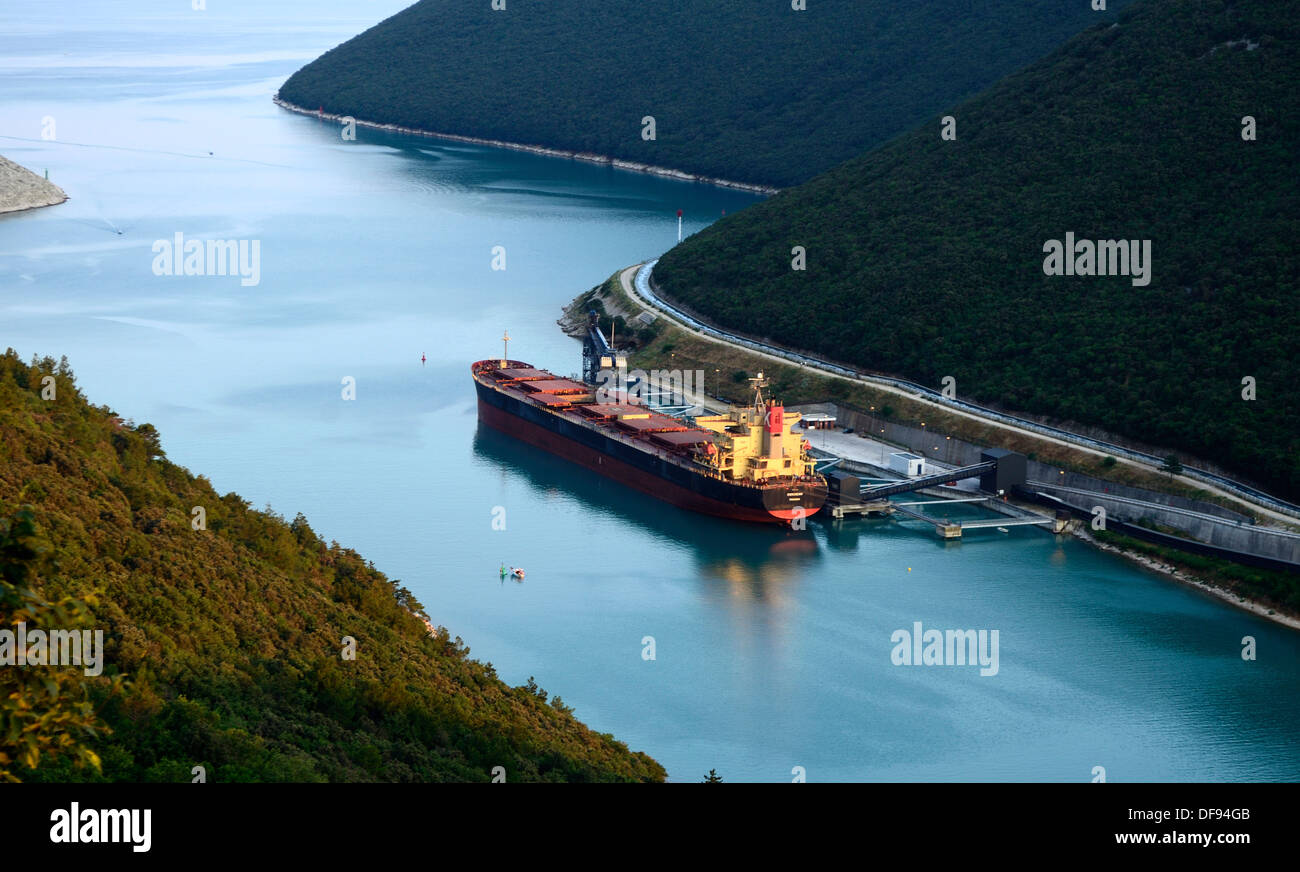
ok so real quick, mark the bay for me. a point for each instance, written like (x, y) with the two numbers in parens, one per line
(772, 649)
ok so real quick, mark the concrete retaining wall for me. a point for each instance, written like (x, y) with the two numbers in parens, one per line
(1231, 533)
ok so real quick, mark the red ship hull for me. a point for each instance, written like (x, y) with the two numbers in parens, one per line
(625, 473)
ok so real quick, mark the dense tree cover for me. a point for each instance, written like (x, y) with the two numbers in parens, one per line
(43, 713)
(925, 256)
(223, 645)
(739, 89)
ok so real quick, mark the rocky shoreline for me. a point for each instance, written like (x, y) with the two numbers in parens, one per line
(1254, 607)
(617, 163)
(22, 189)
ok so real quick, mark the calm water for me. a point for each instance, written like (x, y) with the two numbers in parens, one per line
(772, 648)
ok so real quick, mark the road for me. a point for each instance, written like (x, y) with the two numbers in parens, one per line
(635, 283)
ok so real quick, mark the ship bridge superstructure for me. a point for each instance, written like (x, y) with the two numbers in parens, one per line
(757, 441)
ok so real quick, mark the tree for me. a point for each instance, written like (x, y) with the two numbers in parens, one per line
(152, 441)
(713, 777)
(44, 712)
(1172, 465)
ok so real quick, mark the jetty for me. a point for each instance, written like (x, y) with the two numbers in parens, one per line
(1000, 473)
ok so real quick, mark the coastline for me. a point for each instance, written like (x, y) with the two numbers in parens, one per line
(1253, 606)
(616, 163)
(21, 190)
(620, 282)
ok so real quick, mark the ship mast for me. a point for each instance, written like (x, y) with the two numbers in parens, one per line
(505, 350)
(759, 383)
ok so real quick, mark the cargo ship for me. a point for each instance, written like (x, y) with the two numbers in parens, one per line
(747, 464)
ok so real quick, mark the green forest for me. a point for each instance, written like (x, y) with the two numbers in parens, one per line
(748, 91)
(224, 645)
(925, 257)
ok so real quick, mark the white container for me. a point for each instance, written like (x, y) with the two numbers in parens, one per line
(906, 464)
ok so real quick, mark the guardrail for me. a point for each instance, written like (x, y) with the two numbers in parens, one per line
(645, 289)
(1156, 537)
(1056, 490)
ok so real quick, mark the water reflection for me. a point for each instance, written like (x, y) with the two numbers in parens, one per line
(755, 562)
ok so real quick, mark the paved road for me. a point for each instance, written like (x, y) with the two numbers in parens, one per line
(636, 284)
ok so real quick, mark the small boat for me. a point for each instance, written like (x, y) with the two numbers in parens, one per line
(517, 572)
(1003, 530)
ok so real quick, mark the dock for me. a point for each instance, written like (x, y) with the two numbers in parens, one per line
(947, 529)
(999, 473)
(874, 507)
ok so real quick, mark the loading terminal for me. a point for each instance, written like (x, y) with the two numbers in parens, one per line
(1000, 473)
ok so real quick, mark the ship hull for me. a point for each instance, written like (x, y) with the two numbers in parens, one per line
(643, 471)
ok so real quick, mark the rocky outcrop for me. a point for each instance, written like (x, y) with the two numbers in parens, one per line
(21, 189)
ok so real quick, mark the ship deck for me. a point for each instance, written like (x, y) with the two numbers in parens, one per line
(626, 420)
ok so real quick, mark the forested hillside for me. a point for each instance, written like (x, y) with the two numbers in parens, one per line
(925, 257)
(742, 90)
(224, 646)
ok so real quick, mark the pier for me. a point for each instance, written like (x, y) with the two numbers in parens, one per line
(874, 507)
(999, 472)
(947, 529)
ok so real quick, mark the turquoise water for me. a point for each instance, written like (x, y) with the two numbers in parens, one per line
(772, 648)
